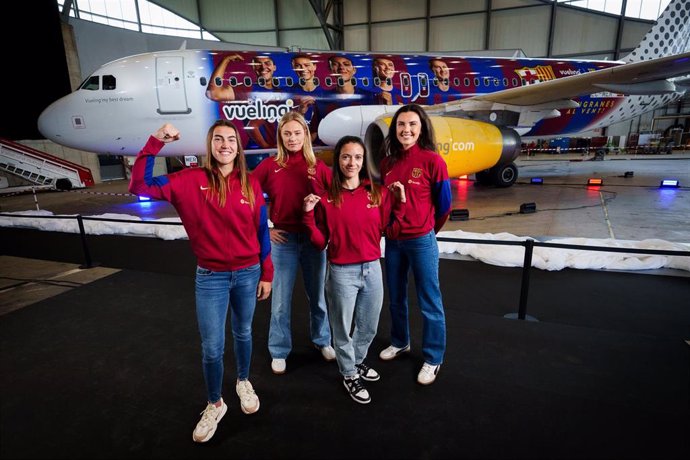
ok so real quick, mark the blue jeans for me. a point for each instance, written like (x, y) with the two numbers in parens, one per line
(353, 290)
(421, 256)
(214, 290)
(287, 258)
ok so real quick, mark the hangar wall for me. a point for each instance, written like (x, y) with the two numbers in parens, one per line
(405, 25)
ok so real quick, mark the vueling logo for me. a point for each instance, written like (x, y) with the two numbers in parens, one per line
(257, 110)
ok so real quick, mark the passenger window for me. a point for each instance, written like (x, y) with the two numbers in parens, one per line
(341, 82)
(365, 81)
(276, 81)
(247, 81)
(329, 81)
(466, 81)
(456, 81)
(289, 81)
(261, 81)
(233, 81)
(353, 81)
(108, 82)
(377, 81)
(316, 81)
(515, 82)
(476, 81)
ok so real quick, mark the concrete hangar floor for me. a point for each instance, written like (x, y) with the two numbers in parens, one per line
(625, 208)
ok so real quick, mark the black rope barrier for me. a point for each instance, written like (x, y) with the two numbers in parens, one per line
(529, 244)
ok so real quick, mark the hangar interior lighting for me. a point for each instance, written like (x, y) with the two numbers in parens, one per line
(528, 208)
(536, 180)
(459, 214)
(595, 181)
(669, 183)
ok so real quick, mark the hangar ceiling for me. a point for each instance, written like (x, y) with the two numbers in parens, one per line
(541, 28)
(263, 22)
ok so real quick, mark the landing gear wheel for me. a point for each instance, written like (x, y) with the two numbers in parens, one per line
(504, 175)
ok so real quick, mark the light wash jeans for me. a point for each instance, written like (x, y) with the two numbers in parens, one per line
(421, 256)
(287, 258)
(353, 291)
(214, 291)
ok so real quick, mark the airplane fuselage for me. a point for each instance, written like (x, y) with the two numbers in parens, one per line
(123, 102)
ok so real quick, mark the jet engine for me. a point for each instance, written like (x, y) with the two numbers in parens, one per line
(467, 146)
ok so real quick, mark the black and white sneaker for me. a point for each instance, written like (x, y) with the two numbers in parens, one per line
(356, 390)
(367, 373)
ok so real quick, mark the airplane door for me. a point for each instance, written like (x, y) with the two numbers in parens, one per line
(170, 87)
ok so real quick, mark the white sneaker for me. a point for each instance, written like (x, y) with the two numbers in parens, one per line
(209, 421)
(327, 352)
(393, 352)
(249, 401)
(427, 374)
(356, 390)
(278, 366)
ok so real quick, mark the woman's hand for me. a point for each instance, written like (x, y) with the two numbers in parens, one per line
(263, 290)
(310, 202)
(278, 236)
(398, 189)
(167, 133)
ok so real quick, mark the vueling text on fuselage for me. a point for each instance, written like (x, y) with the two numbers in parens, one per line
(446, 147)
(257, 110)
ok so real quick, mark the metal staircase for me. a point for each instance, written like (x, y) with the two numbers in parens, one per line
(41, 168)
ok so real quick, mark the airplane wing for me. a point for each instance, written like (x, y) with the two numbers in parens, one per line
(643, 77)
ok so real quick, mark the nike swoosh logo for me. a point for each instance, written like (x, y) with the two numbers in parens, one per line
(277, 170)
(388, 172)
(203, 188)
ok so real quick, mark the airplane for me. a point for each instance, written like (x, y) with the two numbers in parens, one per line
(479, 106)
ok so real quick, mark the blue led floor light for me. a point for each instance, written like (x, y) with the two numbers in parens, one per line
(669, 183)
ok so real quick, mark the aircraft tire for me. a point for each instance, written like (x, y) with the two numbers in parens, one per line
(504, 175)
(63, 184)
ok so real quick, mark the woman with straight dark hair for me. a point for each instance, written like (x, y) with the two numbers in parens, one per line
(223, 211)
(350, 219)
(413, 161)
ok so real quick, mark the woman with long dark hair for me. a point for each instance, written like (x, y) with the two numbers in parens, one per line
(350, 219)
(413, 161)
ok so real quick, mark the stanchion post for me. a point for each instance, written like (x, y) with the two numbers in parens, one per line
(524, 288)
(33, 189)
(85, 247)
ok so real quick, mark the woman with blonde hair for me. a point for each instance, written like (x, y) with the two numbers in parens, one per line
(287, 178)
(223, 211)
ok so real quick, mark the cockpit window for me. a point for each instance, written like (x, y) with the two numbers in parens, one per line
(108, 82)
(91, 83)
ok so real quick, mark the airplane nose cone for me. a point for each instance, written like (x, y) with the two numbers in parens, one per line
(48, 122)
